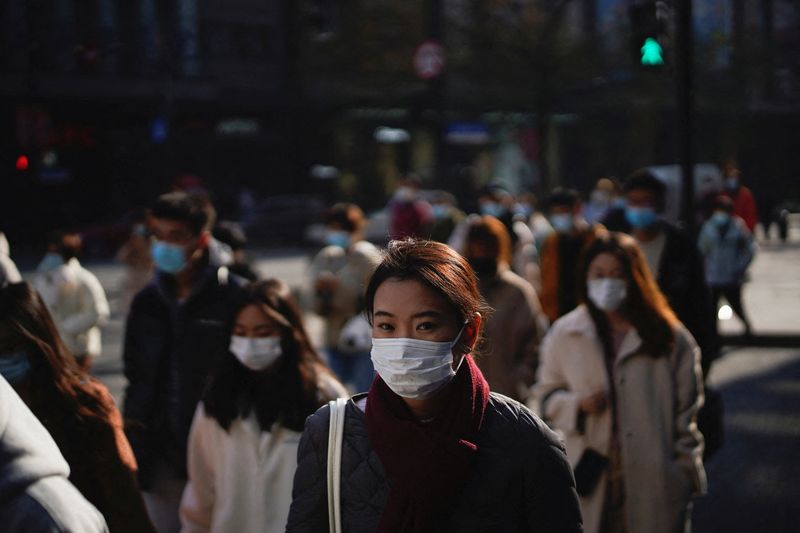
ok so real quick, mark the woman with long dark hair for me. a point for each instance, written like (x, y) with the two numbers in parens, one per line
(429, 448)
(243, 442)
(76, 409)
(620, 378)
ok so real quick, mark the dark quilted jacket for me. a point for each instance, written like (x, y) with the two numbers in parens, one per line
(521, 480)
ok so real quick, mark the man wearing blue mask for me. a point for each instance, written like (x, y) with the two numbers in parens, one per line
(175, 333)
(672, 255)
(561, 250)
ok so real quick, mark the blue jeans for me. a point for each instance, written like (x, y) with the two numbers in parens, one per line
(354, 369)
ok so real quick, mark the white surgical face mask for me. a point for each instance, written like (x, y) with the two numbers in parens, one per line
(607, 293)
(414, 368)
(256, 353)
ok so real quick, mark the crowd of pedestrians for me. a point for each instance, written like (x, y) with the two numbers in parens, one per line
(513, 369)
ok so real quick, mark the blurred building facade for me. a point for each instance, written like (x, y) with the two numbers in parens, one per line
(110, 101)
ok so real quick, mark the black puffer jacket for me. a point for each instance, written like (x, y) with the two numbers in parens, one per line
(521, 480)
(170, 349)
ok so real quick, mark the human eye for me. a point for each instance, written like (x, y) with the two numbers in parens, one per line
(427, 326)
(384, 326)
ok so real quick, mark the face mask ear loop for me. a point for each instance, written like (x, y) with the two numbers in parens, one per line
(458, 338)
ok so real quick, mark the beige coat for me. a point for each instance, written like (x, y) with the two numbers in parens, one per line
(352, 269)
(657, 403)
(509, 353)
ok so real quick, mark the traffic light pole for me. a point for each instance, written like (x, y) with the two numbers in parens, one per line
(685, 100)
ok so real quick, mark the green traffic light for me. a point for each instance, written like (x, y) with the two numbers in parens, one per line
(652, 53)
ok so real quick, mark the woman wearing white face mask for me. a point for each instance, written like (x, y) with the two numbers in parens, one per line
(620, 378)
(243, 442)
(430, 448)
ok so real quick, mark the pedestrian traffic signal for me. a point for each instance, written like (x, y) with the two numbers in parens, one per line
(652, 53)
(650, 33)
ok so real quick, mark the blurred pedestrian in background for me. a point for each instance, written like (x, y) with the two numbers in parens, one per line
(672, 256)
(36, 496)
(744, 203)
(137, 261)
(232, 234)
(494, 200)
(175, 335)
(509, 351)
(561, 251)
(76, 409)
(338, 275)
(446, 216)
(601, 200)
(728, 248)
(75, 298)
(243, 443)
(429, 448)
(8, 270)
(409, 214)
(620, 379)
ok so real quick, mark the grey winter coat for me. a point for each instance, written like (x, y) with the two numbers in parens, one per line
(521, 480)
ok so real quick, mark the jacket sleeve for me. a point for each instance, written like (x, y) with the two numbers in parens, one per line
(700, 319)
(142, 365)
(309, 509)
(197, 503)
(688, 445)
(746, 250)
(532, 325)
(552, 398)
(551, 501)
(95, 307)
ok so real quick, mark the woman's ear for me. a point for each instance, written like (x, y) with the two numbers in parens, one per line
(471, 330)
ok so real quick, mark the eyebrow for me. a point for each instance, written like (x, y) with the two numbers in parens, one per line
(430, 313)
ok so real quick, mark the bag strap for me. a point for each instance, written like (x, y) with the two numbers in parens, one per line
(335, 434)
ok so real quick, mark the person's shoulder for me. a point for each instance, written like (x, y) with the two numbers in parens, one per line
(576, 321)
(516, 282)
(366, 249)
(509, 419)
(684, 340)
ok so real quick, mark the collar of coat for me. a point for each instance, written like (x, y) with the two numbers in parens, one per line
(579, 322)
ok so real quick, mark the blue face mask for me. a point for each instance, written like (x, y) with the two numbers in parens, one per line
(15, 366)
(721, 218)
(524, 210)
(640, 217)
(50, 261)
(562, 222)
(169, 258)
(492, 209)
(337, 238)
(439, 211)
(731, 184)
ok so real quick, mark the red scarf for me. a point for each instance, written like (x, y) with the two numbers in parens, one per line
(427, 464)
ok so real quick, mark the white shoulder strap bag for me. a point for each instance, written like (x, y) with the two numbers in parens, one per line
(335, 435)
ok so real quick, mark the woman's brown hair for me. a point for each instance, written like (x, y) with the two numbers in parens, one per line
(435, 265)
(58, 386)
(491, 232)
(645, 306)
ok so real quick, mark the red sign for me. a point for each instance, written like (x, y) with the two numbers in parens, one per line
(429, 60)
